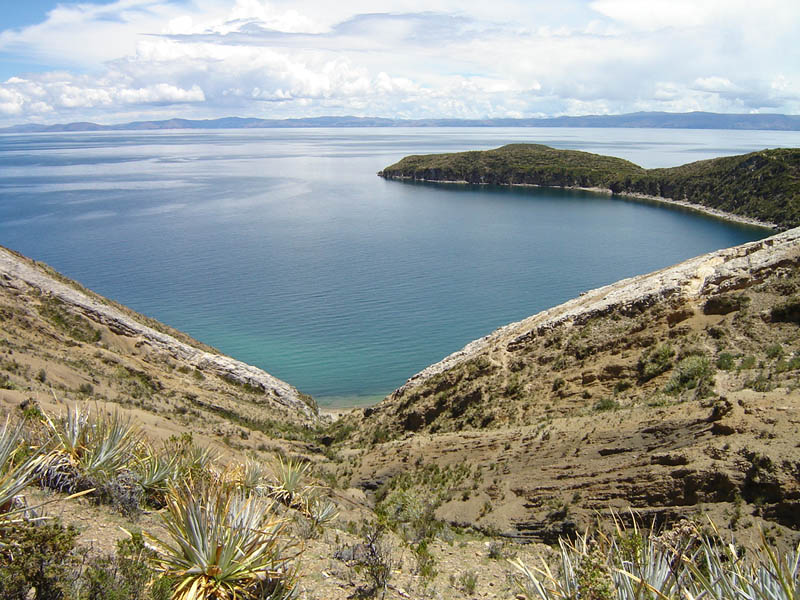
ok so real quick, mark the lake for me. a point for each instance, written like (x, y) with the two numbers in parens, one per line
(283, 249)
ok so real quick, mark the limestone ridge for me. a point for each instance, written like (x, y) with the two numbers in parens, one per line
(720, 271)
(18, 273)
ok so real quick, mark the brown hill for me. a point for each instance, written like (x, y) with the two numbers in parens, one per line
(62, 343)
(670, 393)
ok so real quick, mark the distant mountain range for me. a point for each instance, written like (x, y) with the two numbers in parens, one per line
(662, 120)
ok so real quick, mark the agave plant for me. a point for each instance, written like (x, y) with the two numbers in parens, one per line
(16, 469)
(724, 574)
(321, 512)
(288, 476)
(579, 561)
(223, 545)
(193, 460)
(155, 472)
(250, 477)
(254, 476)
(694, 568)
(89, 448)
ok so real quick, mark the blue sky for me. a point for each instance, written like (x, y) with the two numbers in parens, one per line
(118, 60)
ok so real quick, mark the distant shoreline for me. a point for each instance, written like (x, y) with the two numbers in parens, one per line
(713, 212)
(648, 120)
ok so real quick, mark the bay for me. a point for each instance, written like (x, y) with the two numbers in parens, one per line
(282, 248)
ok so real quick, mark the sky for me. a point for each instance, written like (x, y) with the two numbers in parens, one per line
(112, 61)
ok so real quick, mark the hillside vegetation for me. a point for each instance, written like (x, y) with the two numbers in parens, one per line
(762, 185)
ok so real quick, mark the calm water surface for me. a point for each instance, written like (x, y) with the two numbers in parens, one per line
(283, 249)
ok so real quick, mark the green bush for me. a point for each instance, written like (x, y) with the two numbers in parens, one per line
(788, 311)
(124, 576)
(467, 582)
(760, 383)
(426, 562)
(692, 373)
(747, 362)
(373, 558)
(722, 305)
(775, 351)
(725, 361)
(38, 561)
(655, 361)
(606, 404)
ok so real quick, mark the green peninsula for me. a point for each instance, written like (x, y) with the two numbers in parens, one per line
(763, 186)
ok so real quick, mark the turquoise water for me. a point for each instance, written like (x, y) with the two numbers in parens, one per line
(283, 248)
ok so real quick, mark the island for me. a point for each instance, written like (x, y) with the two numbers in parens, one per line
(761, 187)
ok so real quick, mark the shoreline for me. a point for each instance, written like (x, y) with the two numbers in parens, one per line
(334, 413)
(706, 210)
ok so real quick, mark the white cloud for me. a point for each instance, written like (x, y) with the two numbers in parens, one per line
(50, 95)
(283, 58)
(714, 84)
(657, 14)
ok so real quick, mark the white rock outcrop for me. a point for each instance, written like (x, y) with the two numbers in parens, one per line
(718, 271)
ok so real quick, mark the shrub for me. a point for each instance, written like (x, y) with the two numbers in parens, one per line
(411, 514)
(128, 575)
(725, 361)
(37, 560)
(373, 558)
(747, 362)
(655, 361)
(760, 383)
(467, 582)
(605, 404)
(514, 387)
(426, 562)
(722, 305)
(621, 386)
(496, 550)
(692, 373)
(75, 326)
(775, 351)
(788, 311)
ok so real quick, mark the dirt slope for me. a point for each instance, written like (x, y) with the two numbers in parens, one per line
(670, 392)
(60, 343)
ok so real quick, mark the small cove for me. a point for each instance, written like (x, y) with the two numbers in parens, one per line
(283, 249)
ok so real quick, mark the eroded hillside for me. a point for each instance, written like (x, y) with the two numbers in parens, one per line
(670, 392)
(61, 343)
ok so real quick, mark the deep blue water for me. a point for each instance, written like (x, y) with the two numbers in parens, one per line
(283, 248)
